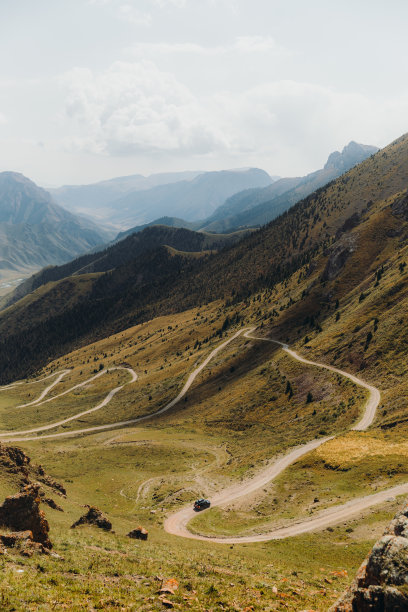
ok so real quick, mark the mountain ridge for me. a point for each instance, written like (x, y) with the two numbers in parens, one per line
(255, 207)
(119, 253)
(35, 231)
(263, 205)
(190, 194)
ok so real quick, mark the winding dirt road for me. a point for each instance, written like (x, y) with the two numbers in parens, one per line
(177, 523)
(48, 389)
(374, 394)
(32, 382)
(11, 436)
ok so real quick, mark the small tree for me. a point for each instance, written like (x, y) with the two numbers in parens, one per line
(309, 398)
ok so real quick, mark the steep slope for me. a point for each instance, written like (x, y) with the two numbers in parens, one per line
(121, 252)
(34, 231)
(297, 239)
(248, 199)
(257, 207)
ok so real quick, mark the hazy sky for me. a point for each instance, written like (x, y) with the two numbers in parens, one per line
(91, 89)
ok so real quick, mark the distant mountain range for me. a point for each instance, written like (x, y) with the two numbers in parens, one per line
(218, 202)
(255, 207)
(135, 200)
(35, 231)
(95, 199)
(259, 206)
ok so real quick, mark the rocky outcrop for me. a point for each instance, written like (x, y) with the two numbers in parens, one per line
(400, 207)
(352, 154)
(14, 461)
(23, 541)
(94, 517)
(338, 255)
(350, 223)
(52, 504)
(22, 512)
(381, 583)
(15, 537)
(138, 534)
(53, 484)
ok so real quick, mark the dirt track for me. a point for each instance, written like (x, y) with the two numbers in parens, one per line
(11, 436)
(176, 524)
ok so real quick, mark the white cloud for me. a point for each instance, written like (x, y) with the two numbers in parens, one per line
(126, 11)
(165, 3)
(132, 108)
(244, 45)
(131, 14)
(135, 109)
(256, 44)
(99, 2)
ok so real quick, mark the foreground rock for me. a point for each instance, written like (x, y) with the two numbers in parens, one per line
(381, 583)
(24, 542)
(15, 462)
(94, 517)
(22, 512)
(138, 534)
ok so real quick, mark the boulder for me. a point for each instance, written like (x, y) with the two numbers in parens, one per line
(377, 585)
(22, 512)
(138, 534)
(94, 517)
(16, 537)
(23, 540)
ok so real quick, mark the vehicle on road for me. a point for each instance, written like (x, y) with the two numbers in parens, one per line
(201, 504)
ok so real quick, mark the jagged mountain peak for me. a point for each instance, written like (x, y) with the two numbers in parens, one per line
(352, 154)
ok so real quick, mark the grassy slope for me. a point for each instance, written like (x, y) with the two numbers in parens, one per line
(188, 453)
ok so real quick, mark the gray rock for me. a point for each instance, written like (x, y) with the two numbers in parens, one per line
(375, 587)
(339, 254)
(400, 206)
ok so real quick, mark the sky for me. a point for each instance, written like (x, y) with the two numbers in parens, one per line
(93, 89)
